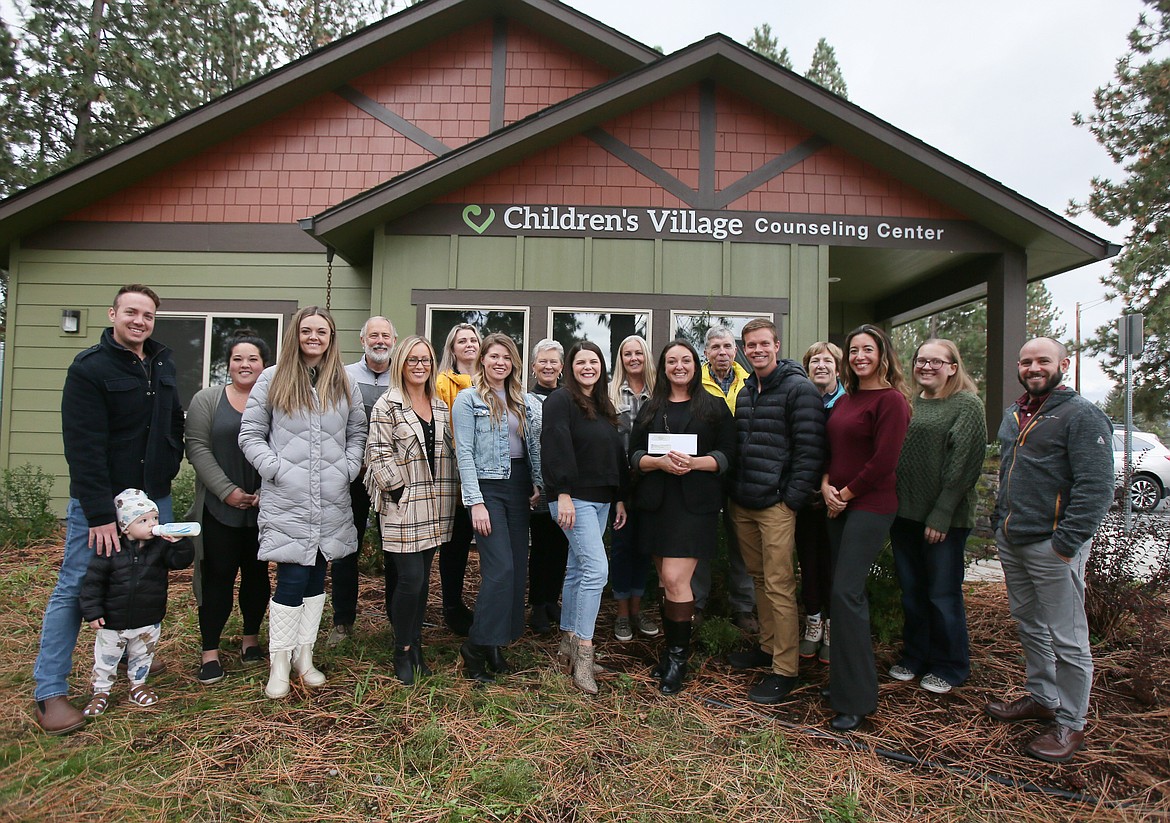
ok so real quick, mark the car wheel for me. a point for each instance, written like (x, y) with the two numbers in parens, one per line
(1145, 492)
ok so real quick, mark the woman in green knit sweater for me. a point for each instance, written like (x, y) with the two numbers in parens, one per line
(937, 472)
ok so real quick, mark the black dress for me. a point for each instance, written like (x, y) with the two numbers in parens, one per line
(678, 516)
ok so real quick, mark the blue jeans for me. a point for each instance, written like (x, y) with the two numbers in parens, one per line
(934, 636)
(62, 621)
(628, 567)
(587, 569)
(295, 582)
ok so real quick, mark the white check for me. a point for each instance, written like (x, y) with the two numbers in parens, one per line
(663, 443)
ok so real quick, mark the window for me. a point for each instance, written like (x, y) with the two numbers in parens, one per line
(199, 342)
(509, 320)
(606, 328)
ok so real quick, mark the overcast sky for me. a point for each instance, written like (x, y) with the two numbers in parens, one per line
(993, 84)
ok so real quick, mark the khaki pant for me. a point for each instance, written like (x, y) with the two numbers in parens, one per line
(766, 538)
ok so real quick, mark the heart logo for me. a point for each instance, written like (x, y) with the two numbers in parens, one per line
(476, 211)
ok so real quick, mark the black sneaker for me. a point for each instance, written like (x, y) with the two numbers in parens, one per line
(252, 656)
(773, 688)
(755, 658)
(210, 672)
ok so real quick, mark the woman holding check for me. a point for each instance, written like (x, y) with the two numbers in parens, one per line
(681, 444)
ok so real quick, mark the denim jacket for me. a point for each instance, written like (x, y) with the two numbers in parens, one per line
(481, 445)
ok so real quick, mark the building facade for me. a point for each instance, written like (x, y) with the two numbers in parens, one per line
(520, 165)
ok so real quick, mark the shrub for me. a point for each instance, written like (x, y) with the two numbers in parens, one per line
(183, 491)
(1126, 574)
(25, 513)
(885, 597)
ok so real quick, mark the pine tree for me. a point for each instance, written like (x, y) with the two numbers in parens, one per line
(764, 43)
(966, 327)
(1131, 120)
(824, 70)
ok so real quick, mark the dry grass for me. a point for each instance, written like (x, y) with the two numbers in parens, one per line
(532, 749)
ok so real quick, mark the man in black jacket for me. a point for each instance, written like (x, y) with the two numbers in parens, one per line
(780, 425)
(122, 425)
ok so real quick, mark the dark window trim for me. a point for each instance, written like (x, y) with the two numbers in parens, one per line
(538, 304)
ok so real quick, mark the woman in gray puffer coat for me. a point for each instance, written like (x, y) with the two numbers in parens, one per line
(304, 429)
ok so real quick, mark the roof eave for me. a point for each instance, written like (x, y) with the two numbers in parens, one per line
(290, 85)
(348, 226)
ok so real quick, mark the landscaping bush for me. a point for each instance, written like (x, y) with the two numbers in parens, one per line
(885, 598)
(183, 492)
(25, 513)
(1126, 574)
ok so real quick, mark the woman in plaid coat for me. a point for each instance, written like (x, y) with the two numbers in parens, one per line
(411, 479)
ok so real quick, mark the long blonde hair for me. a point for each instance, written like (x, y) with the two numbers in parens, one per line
(957, 382)
(449, 359)
(398, 364)
(513, 387)
(619, 370)
(291, 390)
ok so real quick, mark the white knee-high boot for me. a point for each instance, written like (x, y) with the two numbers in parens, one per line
(303, 655)
(284, 625)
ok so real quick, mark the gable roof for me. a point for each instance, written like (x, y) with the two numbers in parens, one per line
(1053, 244)
(284, 88)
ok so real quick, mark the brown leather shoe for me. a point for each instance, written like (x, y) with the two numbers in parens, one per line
(59, 717)
(1057, 745)
(1026, 708)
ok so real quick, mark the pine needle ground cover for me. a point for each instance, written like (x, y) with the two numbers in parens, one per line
(531, 748)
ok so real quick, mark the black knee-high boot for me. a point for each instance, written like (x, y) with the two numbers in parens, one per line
(678, 650)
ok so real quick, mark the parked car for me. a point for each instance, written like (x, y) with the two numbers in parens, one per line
(1151, 469)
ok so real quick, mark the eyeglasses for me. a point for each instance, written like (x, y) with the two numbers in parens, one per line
(418, 361)
(931, 362)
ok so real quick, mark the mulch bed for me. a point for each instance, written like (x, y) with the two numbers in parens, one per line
(928, 747)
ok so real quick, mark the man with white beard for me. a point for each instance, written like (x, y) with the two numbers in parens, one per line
(372, 375)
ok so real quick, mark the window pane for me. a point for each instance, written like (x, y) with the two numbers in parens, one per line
(222, 329)
(184, 336)
(488, 321)
(606, 329)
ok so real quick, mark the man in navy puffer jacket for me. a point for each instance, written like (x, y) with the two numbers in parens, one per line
(780, 426)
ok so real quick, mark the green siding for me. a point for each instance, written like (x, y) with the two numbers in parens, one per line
(808, 283)
(45, 281)
(761, 270)
(486, 263)
(553, 264)
(623, 265)
(692, 267)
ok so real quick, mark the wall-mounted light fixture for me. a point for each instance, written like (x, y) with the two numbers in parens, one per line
(70, 321)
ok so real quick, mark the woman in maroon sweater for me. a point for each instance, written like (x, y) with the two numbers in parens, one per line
(865, 434)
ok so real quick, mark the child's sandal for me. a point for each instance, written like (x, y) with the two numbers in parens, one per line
(143, 695)
(97, 705)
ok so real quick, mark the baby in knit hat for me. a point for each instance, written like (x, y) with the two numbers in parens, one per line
(124, 597)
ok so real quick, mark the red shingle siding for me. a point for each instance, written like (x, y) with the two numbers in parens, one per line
(577, 171)
(325, 150)
(541, 73)
(667, 132)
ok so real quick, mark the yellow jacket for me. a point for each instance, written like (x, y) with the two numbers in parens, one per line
(712, 385)
(450, 383)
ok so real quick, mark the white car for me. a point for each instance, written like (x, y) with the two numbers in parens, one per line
(1151, 469)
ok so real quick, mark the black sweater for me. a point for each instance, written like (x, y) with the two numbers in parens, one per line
(581, 457)
(129, 588)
